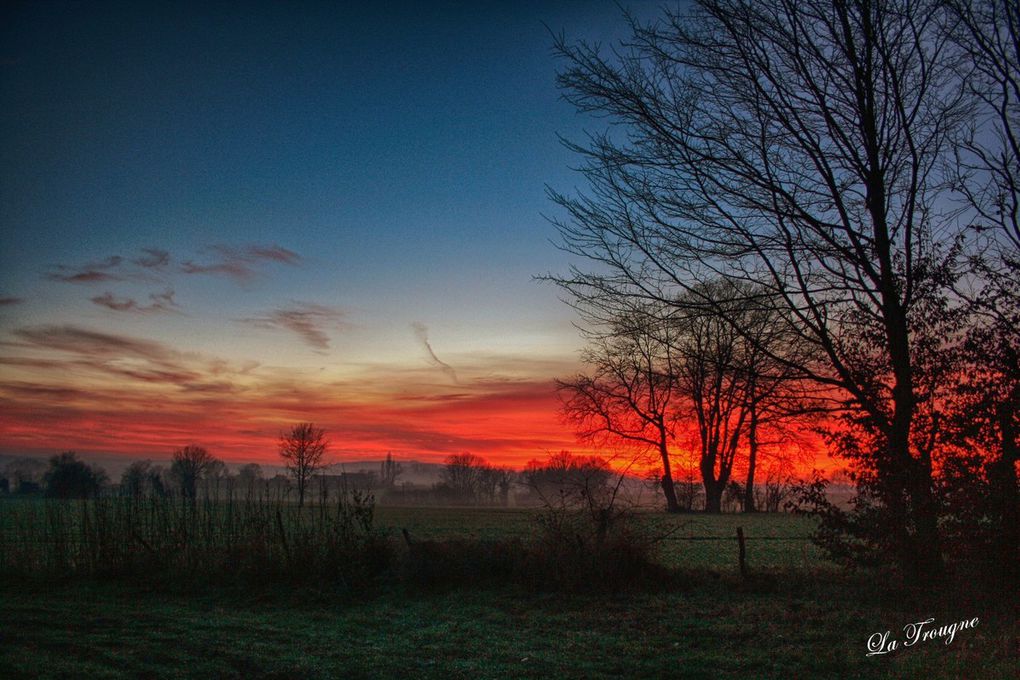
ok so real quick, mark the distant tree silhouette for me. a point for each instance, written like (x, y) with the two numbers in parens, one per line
(248, 475)
(389, 471)
(505, 478)
(188, 467)
(158, 481)
(68, 477)
(564, 479)
(216, 476)
(303, 450)
(464, 474)
(135, 479)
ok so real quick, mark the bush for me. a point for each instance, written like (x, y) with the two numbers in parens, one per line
(575, 550)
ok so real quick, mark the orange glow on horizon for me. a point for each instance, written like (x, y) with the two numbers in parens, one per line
(75, 389)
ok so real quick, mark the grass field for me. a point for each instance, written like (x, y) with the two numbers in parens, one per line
(776, 541)
(795, 617)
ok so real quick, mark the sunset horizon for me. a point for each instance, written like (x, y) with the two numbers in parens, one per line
(532, 339)
(193, 255)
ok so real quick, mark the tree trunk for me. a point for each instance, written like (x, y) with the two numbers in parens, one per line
(713, 495)
(752, 456)
(1004, 487)
(668, 488)
(920, 552)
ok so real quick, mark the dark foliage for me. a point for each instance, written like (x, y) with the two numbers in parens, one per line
(68, 477)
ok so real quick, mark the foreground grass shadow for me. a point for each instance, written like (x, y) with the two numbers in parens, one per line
(698, 625)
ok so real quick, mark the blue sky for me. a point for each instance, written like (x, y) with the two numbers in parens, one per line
(396, 155)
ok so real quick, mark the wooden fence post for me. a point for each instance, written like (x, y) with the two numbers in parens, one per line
(743, 553)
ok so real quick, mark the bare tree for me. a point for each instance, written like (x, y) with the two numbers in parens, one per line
(189, 466)
(716, 383)
(505, 478)
(779, 403)
(303, 449)
(685, 366)
(463, 474)
(628, 394)
(797, 146)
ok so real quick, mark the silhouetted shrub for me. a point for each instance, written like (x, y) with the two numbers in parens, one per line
(566, 553)
(576, 550)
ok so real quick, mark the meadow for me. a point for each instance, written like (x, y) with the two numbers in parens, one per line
(686, 541)
(793, 616)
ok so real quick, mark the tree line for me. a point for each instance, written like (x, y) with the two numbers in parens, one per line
(302, 450)
(464, 478)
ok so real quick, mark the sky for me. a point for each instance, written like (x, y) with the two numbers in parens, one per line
(221, 219)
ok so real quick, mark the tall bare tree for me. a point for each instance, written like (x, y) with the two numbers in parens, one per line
(716, 380)
(797, 145)
(303, 449)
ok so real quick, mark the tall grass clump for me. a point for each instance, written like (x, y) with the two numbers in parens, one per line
(255, 535)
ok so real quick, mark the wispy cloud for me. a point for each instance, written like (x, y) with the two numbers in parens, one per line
(310, 322)
(158, 303)
(421, 332)
(240, 263)
(272, 253)
(87, 342)
(71, 352)
(113, 268)
(152, 258)
(90, 272)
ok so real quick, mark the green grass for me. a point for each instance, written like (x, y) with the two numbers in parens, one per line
(764, 552)
(796, 617)
(707, 628)
(774, 541)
